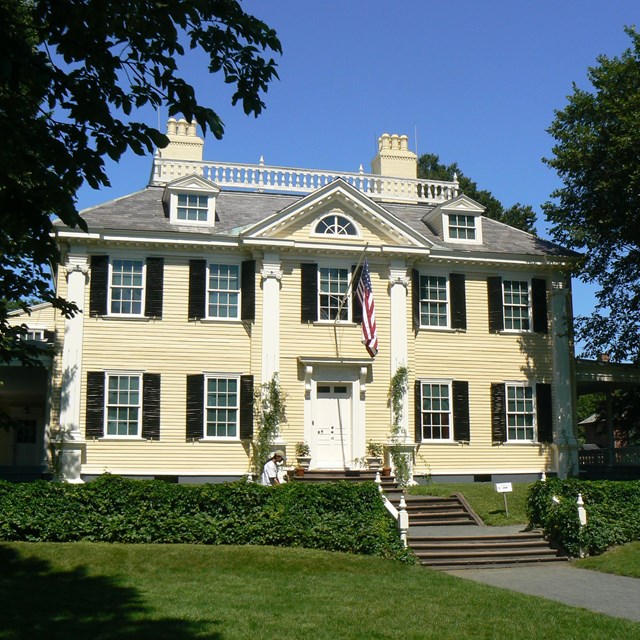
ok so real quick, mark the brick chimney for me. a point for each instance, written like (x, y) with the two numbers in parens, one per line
(394, 158)
(185, 143)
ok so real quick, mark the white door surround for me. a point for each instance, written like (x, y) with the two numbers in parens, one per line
(334, 410)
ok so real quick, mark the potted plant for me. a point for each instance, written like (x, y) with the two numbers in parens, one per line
(374, 455)
(303, 455)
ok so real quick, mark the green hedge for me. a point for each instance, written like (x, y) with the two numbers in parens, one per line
(613, 513)
(336, 517)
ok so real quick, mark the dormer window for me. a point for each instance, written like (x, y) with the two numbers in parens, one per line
(336, 225)
(191, 200)
(193, 208)
(462, 227)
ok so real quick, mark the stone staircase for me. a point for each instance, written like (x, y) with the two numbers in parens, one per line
(436, 511)
(483, 550)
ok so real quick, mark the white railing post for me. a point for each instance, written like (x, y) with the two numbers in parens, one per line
(582, 515)
(403, 521)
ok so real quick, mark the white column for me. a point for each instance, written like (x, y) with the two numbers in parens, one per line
(564, 440)
(271, 276)
(70, 441)
(398, 285)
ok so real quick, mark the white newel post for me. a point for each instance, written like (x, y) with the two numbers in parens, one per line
(70, 443)
(399, 283)
(564, 440)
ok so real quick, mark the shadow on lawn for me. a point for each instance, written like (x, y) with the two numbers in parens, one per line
(41, 602)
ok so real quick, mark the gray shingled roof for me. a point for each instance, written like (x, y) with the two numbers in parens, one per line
(235, 210)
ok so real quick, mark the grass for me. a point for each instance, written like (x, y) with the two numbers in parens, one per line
(623, 561)
(162, 592)
(484, 500)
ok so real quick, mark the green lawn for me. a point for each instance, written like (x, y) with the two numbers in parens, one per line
(484, 500)
(182, 592)
(623, 561)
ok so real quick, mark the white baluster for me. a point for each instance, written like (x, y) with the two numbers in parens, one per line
(403, 520)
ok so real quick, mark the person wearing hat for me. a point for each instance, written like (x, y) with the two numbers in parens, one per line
(270, 471)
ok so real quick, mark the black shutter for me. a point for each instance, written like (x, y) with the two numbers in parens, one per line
(151, 406)
(94, 418)
(458, 301)
(356, 305)
(461, 425)
(417, 389)
(498, 413)
(154, 288)
(248, 283)
(246, 407)
(49, 336)
(415, 298)
(494, 294)
(99, 285)
(544, 412)
(197, 288)
(309, 292)
(195, 407)
(539, 305)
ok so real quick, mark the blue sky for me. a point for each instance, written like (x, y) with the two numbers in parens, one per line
(478, 81)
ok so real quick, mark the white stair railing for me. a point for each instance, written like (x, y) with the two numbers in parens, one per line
(400, 515)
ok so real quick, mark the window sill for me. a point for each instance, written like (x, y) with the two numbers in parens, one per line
(442, 443)
(220, 440)
(114, 317)
(217, 320)
(331, 323)
(442, 329)
(122, 439)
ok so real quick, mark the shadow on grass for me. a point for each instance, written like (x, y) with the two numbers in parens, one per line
(41, 602)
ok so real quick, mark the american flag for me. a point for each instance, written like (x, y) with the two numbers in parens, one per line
(365, 295)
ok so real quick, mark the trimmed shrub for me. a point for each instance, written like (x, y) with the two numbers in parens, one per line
(613, 513)
(340, 516)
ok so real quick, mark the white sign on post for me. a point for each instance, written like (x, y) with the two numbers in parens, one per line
(504, 488)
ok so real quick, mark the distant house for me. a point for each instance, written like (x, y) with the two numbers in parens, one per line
(216, 276)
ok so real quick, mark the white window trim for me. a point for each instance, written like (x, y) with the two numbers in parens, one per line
(110, 285)
(34, 329)
(220, 376)
(478, 227)
(441, 381)
(226, 263)
(211, 207)
(534, 409)
(517, 278)
(348, 303)
(108, 374)
(437, 274)
(314, 234)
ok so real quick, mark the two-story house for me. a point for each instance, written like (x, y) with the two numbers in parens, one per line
(200, 287)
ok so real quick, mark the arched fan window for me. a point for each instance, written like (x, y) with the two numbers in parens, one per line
(336, 225)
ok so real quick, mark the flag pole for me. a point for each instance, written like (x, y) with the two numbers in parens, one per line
(345, 297)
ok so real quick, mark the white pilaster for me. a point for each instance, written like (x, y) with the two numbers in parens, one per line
(70, 442)
(564, 439)
(398, 285)
(271, 276)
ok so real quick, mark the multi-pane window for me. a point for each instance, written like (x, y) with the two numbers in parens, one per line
(192, 208)
(223, 291)
(516, 305)
(222, 408)
(462, 227)
(332, 289)
(34, 335)
(435, 406)
(123, 405)
(433, 301)
(127, 287)
(520, 413)
(336, 225)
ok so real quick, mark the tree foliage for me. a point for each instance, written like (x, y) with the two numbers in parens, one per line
(518, 215)
(597, 210)
(72, 75)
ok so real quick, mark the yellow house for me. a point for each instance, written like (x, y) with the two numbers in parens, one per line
(215, 277)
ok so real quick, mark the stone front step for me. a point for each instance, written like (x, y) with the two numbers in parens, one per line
(349, 475)
(475, 551)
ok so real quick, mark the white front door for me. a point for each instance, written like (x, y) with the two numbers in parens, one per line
(333, 425)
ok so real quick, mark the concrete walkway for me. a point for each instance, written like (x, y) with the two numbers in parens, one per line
(601, 592)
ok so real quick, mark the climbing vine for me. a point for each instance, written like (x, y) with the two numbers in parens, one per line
(269, 411)
(397, 392)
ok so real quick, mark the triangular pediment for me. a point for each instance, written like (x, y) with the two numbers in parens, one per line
(460, 204)
(373, 223)
(190, 183)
